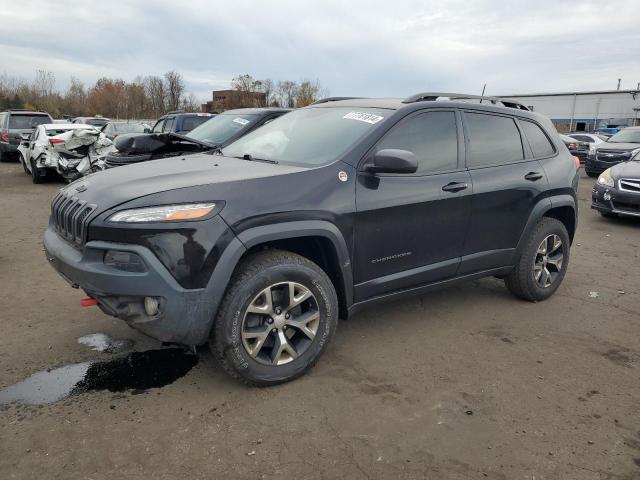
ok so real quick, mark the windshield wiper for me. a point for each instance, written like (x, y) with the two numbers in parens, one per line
(248, 157)
(202, 143)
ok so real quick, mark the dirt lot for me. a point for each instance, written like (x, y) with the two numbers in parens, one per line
(463, 383)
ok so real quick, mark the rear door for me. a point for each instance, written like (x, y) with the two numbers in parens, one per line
(507, 183)
(410, 228)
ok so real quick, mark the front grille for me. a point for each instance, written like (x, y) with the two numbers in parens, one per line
(612, 156)
(69, 216)
(630, 184)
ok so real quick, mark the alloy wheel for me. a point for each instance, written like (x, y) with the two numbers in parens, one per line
(548, 261)
(280, 323)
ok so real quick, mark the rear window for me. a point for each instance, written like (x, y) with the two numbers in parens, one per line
(128, 127)
(97, 122)
(539, 142)
(24, 122)
(493, 140)
(51, 132)
(189, 123)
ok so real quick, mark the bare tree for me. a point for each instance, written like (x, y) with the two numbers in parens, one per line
(174, 86)
(156, 95)
(268, 88)
(248, 92)
(287, 93)
(190, 103)
(308, 92)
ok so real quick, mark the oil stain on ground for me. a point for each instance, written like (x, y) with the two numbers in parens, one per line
(136, 371)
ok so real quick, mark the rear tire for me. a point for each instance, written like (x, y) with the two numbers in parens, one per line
(37, 174)
(543, 262)
(261, 342)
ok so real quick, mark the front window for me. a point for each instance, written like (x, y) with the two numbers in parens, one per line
(221, 128)
(626, 136)
(310, 136)
(189, 123)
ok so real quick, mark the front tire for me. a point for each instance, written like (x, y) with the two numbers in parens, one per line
(276, 319)
(543, 262)
(24, 164)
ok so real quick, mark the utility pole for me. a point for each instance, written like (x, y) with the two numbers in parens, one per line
(619, 80)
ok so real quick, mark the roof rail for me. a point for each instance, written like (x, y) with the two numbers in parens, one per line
(333, 99)
(434, 96)
(175, 111)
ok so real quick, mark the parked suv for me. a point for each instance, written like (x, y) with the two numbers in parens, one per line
(619, 148)
(320, 212)
(180, 122)
(14, 123)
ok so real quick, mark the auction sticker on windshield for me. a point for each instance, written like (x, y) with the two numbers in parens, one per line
(241, 121)
(364, 117)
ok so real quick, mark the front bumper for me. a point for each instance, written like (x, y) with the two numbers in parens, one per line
(184, 316)
(614, 201)
(591, 164)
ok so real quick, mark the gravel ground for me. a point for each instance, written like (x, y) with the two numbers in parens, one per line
(463, 383)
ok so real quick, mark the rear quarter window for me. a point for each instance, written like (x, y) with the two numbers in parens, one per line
(493, 140)
(540, 144)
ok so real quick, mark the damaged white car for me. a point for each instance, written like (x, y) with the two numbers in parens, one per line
(71, 150)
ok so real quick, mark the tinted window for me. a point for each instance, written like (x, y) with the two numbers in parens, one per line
(492, 140)
(189, 123)
(539, 142)
(168, 125)
(96, 122)
(431, 137)
(582, 138)
(158, 126)
(27, 121)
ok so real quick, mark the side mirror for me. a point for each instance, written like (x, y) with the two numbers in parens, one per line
(391, 160)
(147, 130)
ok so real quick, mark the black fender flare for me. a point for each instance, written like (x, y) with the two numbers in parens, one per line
(217, 285)
(539, 211)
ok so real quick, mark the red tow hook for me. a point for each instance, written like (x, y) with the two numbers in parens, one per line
(88, 302)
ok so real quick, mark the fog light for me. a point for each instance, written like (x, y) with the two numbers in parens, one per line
(126, 261)
(151, 306)
(606, 196)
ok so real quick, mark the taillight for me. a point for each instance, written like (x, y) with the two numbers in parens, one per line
(577, 160)
(53, 141)
(4, 136)
(573, 146)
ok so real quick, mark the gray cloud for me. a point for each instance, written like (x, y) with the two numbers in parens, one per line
(377, 48)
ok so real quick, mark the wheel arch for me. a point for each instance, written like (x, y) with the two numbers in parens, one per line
(319, 241)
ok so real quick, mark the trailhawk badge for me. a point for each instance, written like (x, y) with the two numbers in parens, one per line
(342, 176)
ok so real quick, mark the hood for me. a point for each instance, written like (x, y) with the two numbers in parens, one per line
(617, 146)
(629, 169)
(112, 187)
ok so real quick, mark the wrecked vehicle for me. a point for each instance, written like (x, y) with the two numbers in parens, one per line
(71, 150)
(216, 133)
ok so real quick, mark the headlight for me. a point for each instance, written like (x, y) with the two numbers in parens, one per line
(592, 148)
(164, 213)
(605, 178)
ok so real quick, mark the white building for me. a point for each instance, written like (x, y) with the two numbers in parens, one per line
(580, 111)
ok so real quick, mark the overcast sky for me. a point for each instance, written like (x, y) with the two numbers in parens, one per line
(366, 48)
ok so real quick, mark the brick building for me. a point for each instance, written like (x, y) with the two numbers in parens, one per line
(227, 99)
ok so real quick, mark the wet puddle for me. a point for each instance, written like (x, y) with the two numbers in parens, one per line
(135, 371)
(104, 343)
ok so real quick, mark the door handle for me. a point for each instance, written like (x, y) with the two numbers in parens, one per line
(533, 176)
(454, 187)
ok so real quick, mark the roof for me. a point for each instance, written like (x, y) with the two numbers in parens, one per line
(558, 94)
(257, 110)
(17, 111)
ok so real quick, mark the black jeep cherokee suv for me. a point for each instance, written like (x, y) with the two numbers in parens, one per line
(327, 209)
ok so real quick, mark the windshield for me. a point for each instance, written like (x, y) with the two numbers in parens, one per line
(221, 128)
(311, 136)
(27, 121)
(626, 136)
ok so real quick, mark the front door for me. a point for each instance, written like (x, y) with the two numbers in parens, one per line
(410, 228)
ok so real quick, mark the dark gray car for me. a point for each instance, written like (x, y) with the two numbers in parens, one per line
(13, 123)
(619, 148)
